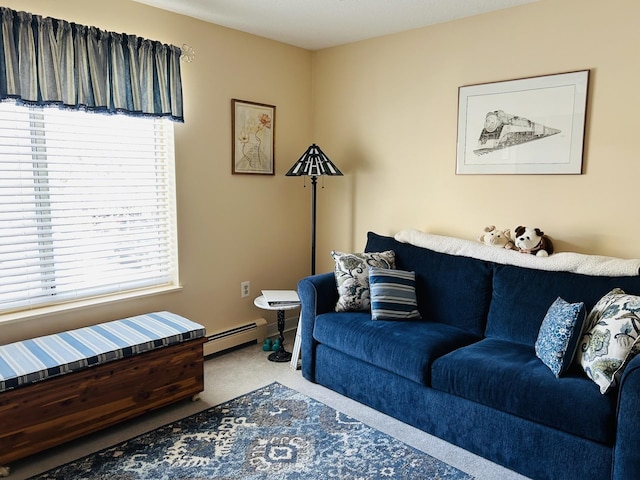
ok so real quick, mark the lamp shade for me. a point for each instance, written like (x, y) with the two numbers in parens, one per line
(313, 163)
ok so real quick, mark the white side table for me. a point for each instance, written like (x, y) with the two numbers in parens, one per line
(281, 355)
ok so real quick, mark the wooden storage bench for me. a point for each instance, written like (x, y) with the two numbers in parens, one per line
(57, 388)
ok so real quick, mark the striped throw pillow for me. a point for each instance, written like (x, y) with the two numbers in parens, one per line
(393, 294)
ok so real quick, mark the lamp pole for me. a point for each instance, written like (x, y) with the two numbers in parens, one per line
(314, 181)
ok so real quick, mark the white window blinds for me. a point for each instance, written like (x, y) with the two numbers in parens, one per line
(87, 205)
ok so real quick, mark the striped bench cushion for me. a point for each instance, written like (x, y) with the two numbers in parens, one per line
(33, 360)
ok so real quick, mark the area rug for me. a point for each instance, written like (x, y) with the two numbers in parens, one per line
(271, 433)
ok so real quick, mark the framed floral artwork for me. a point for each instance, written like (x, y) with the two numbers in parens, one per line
(253, 134)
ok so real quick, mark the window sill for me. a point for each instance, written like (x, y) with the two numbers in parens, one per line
(36, 313)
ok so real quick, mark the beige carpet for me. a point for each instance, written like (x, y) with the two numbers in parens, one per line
(232, 374)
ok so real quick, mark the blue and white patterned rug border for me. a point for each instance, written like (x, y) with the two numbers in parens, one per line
(298, 454)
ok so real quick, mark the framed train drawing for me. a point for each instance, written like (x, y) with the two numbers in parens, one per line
(525, 126)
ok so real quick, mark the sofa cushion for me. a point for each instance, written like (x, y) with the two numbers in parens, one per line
(509, 377)
(404, 347)
(393, 294)
(352, 277)
(450, 289)
(521, 298)
(612, 339)
(559, 335)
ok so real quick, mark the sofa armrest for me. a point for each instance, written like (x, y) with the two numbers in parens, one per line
(626, 457)
(318, 294)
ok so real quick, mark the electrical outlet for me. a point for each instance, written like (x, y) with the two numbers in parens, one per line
(245, 289)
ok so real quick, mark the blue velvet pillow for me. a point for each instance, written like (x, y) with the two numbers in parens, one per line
(393, 294)
(450, 289)
(559, 334)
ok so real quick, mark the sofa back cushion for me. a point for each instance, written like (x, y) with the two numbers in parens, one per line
(522, 296)
(449, 289)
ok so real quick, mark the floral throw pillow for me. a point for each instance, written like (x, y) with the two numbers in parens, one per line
(611, 338)
(559, 334)
(352, 277)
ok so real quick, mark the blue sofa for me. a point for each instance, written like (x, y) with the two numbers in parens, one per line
(467, 372)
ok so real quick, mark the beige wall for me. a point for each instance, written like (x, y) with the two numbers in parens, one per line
(231, 227)
(386, 112)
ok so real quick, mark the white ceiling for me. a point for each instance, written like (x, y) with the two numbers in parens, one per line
(317, 24)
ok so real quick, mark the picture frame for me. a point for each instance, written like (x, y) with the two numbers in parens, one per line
(252, 138)
(532, 125)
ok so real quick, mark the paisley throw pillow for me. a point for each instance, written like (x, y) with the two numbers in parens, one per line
(352, 277)
(611, 338)
(559, 334)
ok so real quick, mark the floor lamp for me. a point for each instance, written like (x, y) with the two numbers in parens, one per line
(313, 163)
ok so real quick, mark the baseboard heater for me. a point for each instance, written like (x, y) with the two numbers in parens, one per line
(237, 335)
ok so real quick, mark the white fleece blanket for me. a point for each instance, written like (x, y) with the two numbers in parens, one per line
(561, 261)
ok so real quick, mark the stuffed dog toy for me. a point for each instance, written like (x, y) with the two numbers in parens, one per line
(497, 238)
(533, 241)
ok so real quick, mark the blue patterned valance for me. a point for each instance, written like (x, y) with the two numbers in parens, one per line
(48, 61)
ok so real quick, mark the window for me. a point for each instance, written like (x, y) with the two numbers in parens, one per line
(87, 205)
